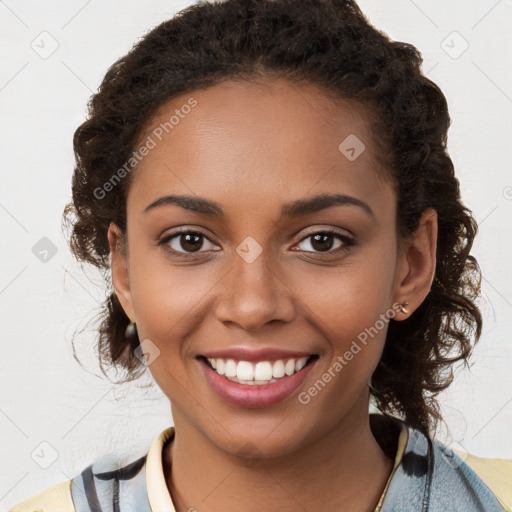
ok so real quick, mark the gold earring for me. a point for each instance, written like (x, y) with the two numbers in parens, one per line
(403, 309)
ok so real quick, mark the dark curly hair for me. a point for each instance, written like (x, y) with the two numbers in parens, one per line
(329, 44)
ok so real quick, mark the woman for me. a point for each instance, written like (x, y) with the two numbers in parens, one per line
(268, 183)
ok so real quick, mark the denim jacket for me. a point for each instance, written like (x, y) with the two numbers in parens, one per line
(433, 478)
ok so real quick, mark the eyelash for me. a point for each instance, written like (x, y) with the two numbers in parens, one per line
(347, 241)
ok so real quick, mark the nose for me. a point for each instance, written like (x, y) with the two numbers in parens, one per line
(255, 293)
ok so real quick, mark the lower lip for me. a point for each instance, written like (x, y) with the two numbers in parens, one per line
(245, 395)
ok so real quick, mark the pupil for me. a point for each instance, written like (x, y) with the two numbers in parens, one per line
(187, 237)
(323, 238)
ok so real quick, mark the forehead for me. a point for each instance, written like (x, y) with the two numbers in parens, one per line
(257, 142)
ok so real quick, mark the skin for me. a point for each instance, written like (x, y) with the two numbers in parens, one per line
(252, 147)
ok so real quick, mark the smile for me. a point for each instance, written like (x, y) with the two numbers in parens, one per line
(259, 373)
(260, 382)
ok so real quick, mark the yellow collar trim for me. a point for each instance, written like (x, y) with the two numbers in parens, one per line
(158, 494)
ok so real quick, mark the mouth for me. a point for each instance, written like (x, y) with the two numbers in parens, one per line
(257, 373)
(259, 382)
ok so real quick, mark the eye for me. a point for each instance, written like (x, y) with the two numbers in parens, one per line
(322, 241)
(185, 242)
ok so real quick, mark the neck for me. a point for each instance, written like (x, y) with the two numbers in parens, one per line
(347, 458)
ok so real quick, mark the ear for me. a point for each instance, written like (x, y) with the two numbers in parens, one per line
(120, 269)
(417, 264)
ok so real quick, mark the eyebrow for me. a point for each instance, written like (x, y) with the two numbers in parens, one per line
(289, 210)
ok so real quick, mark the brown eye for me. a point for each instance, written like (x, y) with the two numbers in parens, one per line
(323, 241)
(190, 241)
(186, 242)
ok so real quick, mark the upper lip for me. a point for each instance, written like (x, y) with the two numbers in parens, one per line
(255, 355)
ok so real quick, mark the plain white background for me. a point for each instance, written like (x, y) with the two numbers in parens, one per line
(57, 414)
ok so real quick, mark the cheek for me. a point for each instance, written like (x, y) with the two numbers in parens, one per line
(167, 303)
(352, 324)
(354, 321)
(168, 300)
(171, 304)
(352, 308)
(350, 298)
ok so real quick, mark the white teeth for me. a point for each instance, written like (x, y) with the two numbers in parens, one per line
(289, 367)
(262, 372)
(229, 368)
(245, 371)
(278, 369)
(300, 363)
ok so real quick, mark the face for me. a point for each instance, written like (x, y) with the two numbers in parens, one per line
(264, 275)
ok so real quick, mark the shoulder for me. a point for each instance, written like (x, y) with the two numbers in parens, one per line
(56, 498)
(97, 487)
(109, 481)
(468, 477)
(495, 473)
(429, 475)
